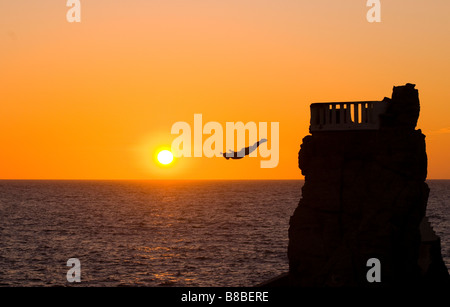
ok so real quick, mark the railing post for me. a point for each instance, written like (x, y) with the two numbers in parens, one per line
(321, 116)
(347, 113)
(327, 114)
(370, 118)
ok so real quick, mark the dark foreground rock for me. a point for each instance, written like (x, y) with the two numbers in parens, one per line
(365, 196)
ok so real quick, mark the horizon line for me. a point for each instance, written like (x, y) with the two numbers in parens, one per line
(143, 179)
(166, 179)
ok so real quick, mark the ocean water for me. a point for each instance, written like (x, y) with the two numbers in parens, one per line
(150, 233)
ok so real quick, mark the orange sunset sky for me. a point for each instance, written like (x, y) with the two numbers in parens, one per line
(97, 99)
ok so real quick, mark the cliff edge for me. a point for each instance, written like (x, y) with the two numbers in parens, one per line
(364, 197)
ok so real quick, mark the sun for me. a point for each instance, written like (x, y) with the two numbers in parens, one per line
(165, 157)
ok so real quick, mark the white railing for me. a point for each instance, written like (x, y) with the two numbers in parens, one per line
(359, 115)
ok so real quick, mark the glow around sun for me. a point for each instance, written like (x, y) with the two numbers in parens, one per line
(165, 157)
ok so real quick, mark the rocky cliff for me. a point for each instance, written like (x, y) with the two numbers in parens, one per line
(365, 196)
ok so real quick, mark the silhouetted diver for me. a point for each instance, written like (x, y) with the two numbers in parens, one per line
(243, 152)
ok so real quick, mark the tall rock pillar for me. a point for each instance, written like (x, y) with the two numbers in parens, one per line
(364, 195)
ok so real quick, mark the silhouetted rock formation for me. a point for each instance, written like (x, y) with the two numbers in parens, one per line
(365, 197)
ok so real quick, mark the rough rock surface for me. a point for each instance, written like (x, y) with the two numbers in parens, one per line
(365, 197)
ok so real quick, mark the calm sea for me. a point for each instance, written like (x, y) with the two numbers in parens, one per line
(150, 233)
